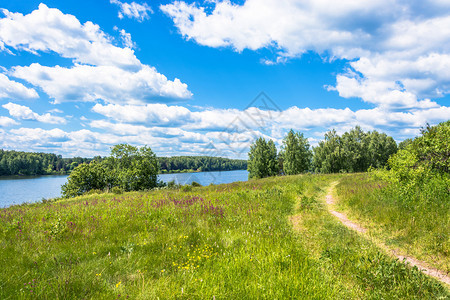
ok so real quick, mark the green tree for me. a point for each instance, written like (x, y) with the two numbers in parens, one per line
(354, 156)
(328, 155)
(379, 148)
(433, 147)
(424, 162)
(262, 160)
(133, 168)
(84, 178)
(403, 144)
(129, 168)
(354, 151)
(296, 154)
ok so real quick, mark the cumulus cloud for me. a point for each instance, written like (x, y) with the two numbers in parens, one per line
(5, 121)
(153, 114)
(236, 129)
(108, 83)
(133, 10)
(48, 29)
(398, 50)
(216, 132)
(25, 113)
(94, 56)
(15, 90)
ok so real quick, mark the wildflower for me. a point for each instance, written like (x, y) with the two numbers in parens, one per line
(117, 285)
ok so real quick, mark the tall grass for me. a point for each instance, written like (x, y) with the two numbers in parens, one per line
(230, 241)
(415, 219)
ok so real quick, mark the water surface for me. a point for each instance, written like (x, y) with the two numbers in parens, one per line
(18, 190)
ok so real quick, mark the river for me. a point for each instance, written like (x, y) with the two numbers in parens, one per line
(17, 190)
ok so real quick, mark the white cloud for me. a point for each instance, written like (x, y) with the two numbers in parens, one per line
(153, 114)
(231, 129)
(399, 50)
(15, 90)
(209, 131)
(111, 84)
(48, 29)
(25, 113)
(98, 64)
(292, 26)
(55, 110)
(126, 39)
(133, 10)
(5, 121)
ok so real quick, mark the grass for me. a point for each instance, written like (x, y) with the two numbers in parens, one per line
(416, 222)
(268, 239)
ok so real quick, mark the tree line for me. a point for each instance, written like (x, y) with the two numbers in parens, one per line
(199, 164)
(130, 168)
(353, 151)
(31, 163)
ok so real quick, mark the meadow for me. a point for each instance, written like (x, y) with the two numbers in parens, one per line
(415, 220)
(263, 239)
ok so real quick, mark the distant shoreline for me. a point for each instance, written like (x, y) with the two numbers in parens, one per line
(161, 173)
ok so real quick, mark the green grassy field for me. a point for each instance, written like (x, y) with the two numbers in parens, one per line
(262, 239)
(417, 222)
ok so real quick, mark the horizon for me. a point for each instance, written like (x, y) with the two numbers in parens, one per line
(205, 78)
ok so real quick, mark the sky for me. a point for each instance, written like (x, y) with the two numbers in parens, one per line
(209, 77)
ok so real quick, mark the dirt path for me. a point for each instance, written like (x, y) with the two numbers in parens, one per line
(421, 265)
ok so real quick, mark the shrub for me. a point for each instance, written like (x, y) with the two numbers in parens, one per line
(116, 190)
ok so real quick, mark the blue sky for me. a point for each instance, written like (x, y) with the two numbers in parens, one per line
(179, 76)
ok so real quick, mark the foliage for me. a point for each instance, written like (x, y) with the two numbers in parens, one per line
(403, 144)
(128, 168)
(432, 148)
(425, 158)
(262, 161)
(133, 168)
(30, 163)
(230, 241)
(86, 177)
(354, 151)
(200, 164)
(296, 153)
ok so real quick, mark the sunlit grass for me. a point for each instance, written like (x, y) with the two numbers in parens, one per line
(417, 222)
(230, 241)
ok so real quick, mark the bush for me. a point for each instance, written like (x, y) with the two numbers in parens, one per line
(128, 168)
(116, 190)
(195, 184)
(186, 188)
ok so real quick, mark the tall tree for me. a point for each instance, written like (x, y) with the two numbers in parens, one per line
(354, 151)
(296, 153)
(262, 160)
(328, 155)
(133, 168)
